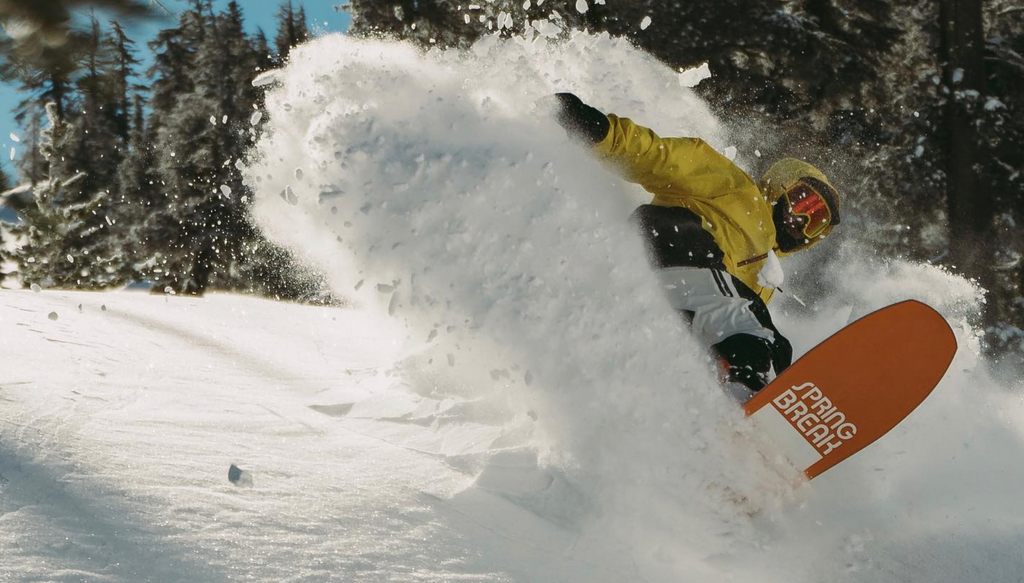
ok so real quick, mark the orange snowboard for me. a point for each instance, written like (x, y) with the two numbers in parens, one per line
(855, 386)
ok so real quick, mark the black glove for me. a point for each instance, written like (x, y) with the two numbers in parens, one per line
(579, 119)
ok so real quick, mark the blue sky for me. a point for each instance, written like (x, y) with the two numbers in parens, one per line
(321, 15)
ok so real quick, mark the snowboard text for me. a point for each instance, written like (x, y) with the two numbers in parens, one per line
(822, 424)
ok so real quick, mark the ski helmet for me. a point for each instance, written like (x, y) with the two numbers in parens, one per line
(806, 192)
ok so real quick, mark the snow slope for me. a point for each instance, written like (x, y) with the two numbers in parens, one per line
(509, 398)
(120, 414)
(120, 419)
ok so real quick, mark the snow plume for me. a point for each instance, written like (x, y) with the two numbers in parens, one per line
(436, 190)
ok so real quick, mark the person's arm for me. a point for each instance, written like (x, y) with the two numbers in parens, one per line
(668, 167)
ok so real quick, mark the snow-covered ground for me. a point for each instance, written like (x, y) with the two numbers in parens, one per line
(121, 414)
(508, 397)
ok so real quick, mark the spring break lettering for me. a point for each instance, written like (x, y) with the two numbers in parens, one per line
(812, 413)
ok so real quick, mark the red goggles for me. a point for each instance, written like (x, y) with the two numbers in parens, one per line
(805, 201)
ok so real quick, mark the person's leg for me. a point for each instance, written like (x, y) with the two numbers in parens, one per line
(729, 318)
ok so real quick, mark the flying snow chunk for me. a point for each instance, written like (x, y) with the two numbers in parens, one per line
(581, 6)
(299, 174)
(645, 23)
(730, 152)
(264, 79)
(485, 44)
(225, 189)
(239, 477)
(771, 275)
(12, 152)
(546, 28)
(289, 196)
(15, 137)
(256, 117)
(213, 120)
(52, 316)
(36, 288)
(693, 77)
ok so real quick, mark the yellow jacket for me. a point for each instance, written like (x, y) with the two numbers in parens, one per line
(687, 172)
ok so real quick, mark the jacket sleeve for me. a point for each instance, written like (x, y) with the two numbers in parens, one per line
(671, 168)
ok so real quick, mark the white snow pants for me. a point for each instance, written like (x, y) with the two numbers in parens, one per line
(718, 308)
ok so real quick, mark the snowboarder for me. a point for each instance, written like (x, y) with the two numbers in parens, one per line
(713, 234)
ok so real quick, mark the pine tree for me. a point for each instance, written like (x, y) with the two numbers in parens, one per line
(173, 61)
(155, 198)
(237, 64)
(140, 198)
(264, 56)
(31, 164)
(302, 33)
(5, 181)
(292, 29)
(5, 260)
(65, 240)
(121, 69)
(98, 123)
(218, 226)
(136, 173)
(197, 235)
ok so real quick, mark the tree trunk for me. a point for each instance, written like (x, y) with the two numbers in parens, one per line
(201, 271)
(969, 198)
(59, 90)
